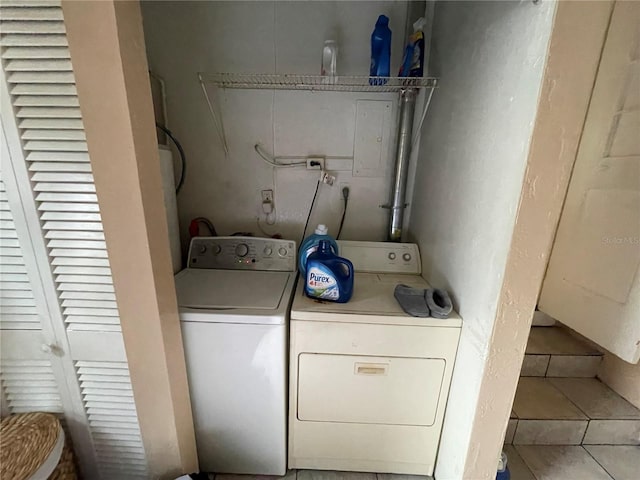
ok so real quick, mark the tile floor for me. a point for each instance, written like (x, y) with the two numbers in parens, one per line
(571, 411)
(573, 462)
(526, 462)
(322, 475)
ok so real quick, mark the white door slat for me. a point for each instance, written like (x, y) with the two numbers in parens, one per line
(35, 52)
(32, 13)
(55, 146)
(9, 242)
(15, 277)
(82, 253)
(68, 207)
(43, 89)
(95, 226)
(51, 234)
(6, 225)
(46, 101)
(92, 323)
(80, 244)
(65, 187)
(107, 397)
(87, 327)
(86, 287)
(77, 261)
(58, 156)
(90, 386)
(38, 65)
(41, 77)
(103, 280)
(91, 304)
(91, 312)
(18, 309)
(4, 233)
(29, 27)
(20, 319)
(68, 270)
(16, 302)
(63, 177)
(84, 198)
(10, 252)
(12, 268)
(48, 112)
(53, 123)
(26, 40)
(71, 216)
(11, 260)
(8, 285)
(87, 295)
(10, 294)
(51, 134)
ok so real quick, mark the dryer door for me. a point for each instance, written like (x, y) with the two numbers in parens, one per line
(369, 390)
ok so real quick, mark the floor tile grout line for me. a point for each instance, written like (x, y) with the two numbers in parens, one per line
(525, 462)
(588, 418)
(546, 370)
(596, 460)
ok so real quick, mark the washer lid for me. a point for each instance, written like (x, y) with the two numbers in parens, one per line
(229, 289)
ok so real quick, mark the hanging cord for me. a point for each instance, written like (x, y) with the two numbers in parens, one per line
(313, 202)
(194, 227)
(183, 158)
(345, 196)
(273, 161)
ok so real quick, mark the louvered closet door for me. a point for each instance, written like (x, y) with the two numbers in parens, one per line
(46, 138)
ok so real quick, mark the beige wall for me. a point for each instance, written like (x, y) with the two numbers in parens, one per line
(566, 91)
(490, 58)
(485, 231)
(622, 377)
(109, 60)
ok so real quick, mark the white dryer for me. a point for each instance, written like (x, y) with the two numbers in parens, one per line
(234, 299)
(369, 383)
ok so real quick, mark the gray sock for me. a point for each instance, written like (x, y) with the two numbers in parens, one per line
(439, 302)
(412, 300)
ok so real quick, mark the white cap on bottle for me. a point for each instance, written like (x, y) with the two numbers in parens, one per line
(419, 24)
(321, 230)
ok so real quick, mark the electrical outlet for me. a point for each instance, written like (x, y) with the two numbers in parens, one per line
(267, 196)
(315, 163)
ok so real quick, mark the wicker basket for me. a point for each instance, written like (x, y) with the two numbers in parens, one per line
(27, 441)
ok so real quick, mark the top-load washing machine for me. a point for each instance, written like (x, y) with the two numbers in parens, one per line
(369, 383)
(234, 299)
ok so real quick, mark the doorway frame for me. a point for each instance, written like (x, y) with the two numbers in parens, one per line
(575, 49)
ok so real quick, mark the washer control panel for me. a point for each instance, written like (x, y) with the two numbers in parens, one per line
(382, 257)
(242, 253)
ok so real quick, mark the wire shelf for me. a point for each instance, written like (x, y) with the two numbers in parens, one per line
(341, 83)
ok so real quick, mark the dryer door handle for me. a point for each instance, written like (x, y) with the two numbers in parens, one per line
(371, 368)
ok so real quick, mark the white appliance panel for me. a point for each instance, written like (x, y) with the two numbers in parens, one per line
(237, 379)
(220, 289)
(370, 390)
(369, 383)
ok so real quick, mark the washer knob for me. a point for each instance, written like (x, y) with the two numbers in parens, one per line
(392, 256)
(267, 251)
(242, 249)
(216, 249)
(282, 251)
(203, 248)
(406, 257)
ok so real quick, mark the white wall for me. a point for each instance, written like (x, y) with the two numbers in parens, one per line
(490, 58)
(184, 38)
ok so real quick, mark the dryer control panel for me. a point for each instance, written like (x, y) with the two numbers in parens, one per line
(242, 253)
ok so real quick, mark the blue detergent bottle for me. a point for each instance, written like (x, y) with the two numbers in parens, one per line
(329, 277)
(380, 51)
(310, 245)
